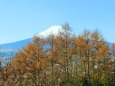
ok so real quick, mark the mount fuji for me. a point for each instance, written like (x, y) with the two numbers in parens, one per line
(10, 49)
(52, 30)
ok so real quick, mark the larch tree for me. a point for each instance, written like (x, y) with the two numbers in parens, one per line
(65, 47)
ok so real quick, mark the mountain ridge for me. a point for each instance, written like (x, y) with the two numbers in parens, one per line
(12, 44)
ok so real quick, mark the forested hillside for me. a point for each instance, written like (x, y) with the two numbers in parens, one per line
(62, 60)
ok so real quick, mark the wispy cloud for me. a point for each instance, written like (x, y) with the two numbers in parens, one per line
(6, 50)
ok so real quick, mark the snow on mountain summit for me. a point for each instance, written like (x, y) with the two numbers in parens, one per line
(54, 30)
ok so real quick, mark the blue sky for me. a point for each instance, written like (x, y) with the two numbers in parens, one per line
(21, 19)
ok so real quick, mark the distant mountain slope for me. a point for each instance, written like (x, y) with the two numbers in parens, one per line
(10, 49)
(15, 45)
(109, 43)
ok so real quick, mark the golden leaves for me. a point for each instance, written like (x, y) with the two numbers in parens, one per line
(84, 59)
(36, 64)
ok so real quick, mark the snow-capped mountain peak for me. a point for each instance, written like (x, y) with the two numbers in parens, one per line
(54, 30)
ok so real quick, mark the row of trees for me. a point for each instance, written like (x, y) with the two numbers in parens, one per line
(62, 60)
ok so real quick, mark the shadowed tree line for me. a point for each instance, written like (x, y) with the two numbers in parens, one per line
(62, 60)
